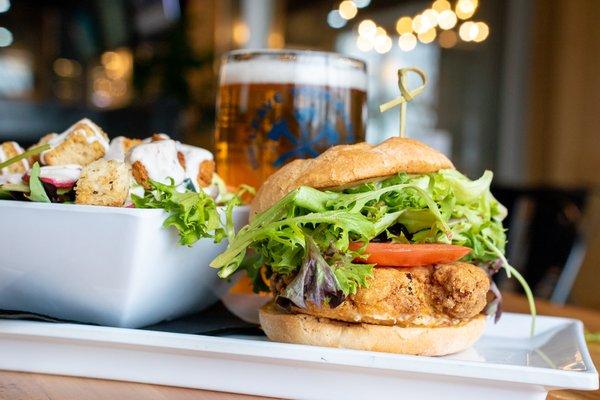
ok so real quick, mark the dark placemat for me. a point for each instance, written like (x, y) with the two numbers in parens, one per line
(214, 321)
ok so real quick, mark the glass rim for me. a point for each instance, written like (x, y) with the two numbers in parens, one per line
(243, 54)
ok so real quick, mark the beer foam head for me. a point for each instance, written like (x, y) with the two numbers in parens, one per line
(306, 68)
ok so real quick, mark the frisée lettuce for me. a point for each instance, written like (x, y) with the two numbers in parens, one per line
(306, 234)
(193, 214)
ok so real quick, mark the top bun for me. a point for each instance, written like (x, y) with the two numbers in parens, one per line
(346, 165)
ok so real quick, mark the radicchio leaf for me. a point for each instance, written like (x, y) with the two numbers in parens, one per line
(58, 194)
(495, 306)
(315, 282)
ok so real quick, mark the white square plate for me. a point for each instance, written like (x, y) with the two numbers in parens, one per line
(505, 364)
(103, 265)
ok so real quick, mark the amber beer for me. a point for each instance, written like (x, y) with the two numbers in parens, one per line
(275, 107)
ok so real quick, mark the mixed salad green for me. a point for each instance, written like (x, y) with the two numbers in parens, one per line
(307, 233)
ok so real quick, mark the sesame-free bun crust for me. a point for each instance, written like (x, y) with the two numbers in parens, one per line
(345, 165)
(281, 326)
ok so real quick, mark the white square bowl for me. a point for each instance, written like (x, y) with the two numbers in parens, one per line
(109, 266)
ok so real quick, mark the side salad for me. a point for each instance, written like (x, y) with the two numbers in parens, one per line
(157, 173)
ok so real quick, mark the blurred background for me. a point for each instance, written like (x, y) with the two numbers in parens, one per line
(513, 87)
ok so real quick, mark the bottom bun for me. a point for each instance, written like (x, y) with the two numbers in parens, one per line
(281, 326)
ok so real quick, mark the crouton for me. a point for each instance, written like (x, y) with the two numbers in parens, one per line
(157, 161)
(45, 139)
(103, 183)
(9, 150)
(205, 173)
(81, 144)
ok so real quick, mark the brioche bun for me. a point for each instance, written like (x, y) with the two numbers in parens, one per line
(281, 326)
(346, 165)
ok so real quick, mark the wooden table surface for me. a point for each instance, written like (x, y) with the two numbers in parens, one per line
(26, 386)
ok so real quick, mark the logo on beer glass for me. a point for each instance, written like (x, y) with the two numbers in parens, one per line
(313, 131)
(277, 106)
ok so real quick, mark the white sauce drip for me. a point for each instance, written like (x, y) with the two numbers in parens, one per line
(96, 136)
(61, 173)
(193, 157)
(116, 150)
(160, 161)
(150, 139)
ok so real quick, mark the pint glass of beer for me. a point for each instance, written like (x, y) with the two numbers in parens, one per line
(277, 106)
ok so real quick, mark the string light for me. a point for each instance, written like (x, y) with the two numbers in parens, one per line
(335, 20)
(404, 25)
(407, 42)
(364, 44)
(241, 33)
(420, 24)
(382, 44)
(367, 28)
(347, 9)
(428, 36)
(483, 32)
(447, 19)
(430, 16)
(441, 5)
(468, 31)
(66, 68)
(362, 3)
(465, 8)
(447, 39)
(6, 37)
(4, 6)
(418, 28)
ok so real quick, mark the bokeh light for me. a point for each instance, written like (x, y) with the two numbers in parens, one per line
(364, 44)
(407, 42)
(348, 9)
(335, 20)
(420, 24)
(367, 28)
(362, 3)
(404, 25)
(430, 16)
(447, 19)
(447, 39)
(4, 6)
(483, 31)
(382, 44)
(441, 5)
(465, 8)
(468, 31)
(6, 37)
(428, 36)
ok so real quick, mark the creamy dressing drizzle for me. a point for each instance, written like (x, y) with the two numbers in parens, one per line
(116, 149)
(159, 159)
(96, 136)
(193, 157)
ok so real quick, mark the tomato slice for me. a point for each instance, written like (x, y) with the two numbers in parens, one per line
(409, 255)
